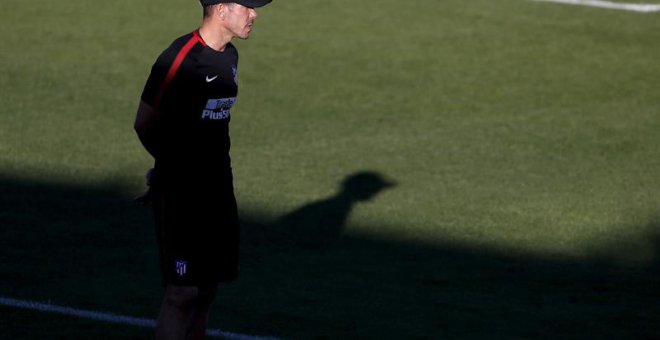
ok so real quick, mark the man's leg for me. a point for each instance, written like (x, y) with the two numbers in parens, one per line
(200, 315)
(175, 316)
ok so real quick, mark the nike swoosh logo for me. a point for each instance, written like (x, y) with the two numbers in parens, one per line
(210, 79)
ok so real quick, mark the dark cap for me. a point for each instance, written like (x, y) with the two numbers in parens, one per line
(246, 3)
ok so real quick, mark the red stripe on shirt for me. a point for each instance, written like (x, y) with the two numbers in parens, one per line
(174, 68)
(199, 37)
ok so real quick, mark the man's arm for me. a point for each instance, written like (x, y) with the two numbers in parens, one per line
(145, 122)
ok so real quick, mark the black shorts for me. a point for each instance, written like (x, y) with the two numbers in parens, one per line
(198, 237)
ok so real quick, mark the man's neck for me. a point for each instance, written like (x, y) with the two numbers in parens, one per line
(215, 36)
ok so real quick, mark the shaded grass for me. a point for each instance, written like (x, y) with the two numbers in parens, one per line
(24, 324)
(305, 275)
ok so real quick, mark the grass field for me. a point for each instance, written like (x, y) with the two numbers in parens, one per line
(523, 138)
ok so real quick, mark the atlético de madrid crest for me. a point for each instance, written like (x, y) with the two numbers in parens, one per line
(181, 267)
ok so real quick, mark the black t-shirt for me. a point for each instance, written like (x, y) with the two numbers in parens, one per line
(193, 87)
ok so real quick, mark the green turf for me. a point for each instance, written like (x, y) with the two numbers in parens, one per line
(23, 324)
(522, 136)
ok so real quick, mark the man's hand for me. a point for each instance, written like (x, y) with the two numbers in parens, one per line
(147, 196)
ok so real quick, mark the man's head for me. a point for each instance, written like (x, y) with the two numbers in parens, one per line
(237, 16)
(246, 3)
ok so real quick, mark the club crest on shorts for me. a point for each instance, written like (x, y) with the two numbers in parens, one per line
(181, 267)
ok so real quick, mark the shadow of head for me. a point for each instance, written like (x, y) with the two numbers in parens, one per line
(363, 186)
(318, 222)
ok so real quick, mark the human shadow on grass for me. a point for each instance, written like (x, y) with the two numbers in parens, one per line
(349, 285)
(309, 275)
(321, 222)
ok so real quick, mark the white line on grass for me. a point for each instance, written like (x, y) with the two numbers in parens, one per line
(114, 318)
(643, 8)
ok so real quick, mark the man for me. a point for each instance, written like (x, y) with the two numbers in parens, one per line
(183, 121)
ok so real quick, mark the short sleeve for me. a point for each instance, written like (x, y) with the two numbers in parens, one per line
(155, 82)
